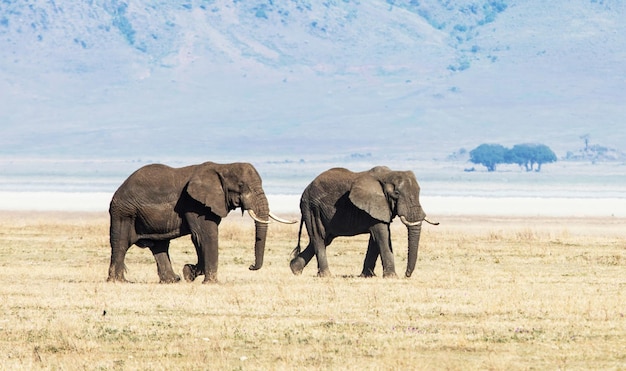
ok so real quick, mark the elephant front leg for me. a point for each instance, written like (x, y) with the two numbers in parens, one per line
(211, 257)
(204, 234)
(207, 240)
(160, 250)
(381, 236)
(371, 256)
(192, 271)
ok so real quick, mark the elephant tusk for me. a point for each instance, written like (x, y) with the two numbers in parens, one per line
(281, 220)
(256, 218)
(408, 223)
(429, 222)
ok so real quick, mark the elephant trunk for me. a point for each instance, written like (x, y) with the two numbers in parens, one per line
(414, 240)
(261, 210)
(259, 245)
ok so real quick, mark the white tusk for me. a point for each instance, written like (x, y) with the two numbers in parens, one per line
(429, 222)
(408, 223)
(280, 220)
(256, 218)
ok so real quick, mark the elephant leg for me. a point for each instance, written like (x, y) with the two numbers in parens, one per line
(191, 271)
(322, 260)
(381, 236)
(117, 266)
(211, 254)
(298, 263)
(204, 234)
(314, 230)
(318, 240)
(373, 250)
(160, 250)
(120, 243)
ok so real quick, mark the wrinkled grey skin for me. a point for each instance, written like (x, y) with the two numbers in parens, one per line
(340, 202)
(158, 203)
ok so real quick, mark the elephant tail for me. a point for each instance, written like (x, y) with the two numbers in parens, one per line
(296, 251)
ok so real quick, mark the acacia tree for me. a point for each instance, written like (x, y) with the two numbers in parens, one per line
(541, 154)
(488, 155)
(528, 155)
(519, 154)
(524, 155)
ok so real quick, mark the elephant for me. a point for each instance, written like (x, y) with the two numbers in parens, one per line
(339, 202)
(158, 203)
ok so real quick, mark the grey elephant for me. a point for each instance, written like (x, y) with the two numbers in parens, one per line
(158, 203)
(340, 202)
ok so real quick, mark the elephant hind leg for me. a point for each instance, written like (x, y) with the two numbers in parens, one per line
(322, 262)
(318, 240)
(300, 261)
(160, 250)
(120, 232)
(191, 272)
(117, 268)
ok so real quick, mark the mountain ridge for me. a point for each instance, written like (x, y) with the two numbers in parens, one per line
(115, 78)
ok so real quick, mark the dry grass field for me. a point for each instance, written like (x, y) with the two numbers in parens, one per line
(487, 293)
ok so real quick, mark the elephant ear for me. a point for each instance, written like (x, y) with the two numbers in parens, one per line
(205, 186)
(367, 194)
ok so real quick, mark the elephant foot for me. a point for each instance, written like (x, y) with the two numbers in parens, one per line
(324, 273)
(367, 273)
(210, 278)
(189, 272)
(118, 279)
(173, 278)
(391, 274)
(116, 273)
(297, 265)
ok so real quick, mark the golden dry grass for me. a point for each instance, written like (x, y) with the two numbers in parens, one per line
(488, 293)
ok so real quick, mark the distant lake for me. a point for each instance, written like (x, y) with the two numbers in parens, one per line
(439, 180)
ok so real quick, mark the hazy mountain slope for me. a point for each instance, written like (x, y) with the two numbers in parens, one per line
(300, 78)
(547, 71)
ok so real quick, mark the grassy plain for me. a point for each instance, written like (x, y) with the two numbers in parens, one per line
(487, 293)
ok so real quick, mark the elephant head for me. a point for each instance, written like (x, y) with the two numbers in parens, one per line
(226, 187)
(385, 194)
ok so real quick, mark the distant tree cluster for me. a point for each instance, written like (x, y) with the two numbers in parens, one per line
(595, 153)
(524, 155)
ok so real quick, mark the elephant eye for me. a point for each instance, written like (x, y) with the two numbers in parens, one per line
(395, 194)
